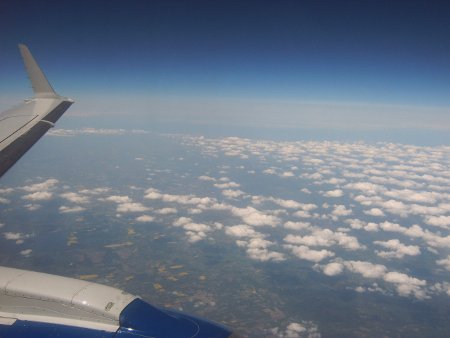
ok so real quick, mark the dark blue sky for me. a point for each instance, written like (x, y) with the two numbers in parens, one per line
(389, 52)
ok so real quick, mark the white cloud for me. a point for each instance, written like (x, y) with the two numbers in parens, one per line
(374, 212)
(303, 252)
(4, 200)
(257, 248)
(6, 190)
(131, 207)
(406, 285)
(38, 196)
(327, 238)
(413, 196)
(94, 191)
(255, 217)
(270, 171)
(232, 193)
(13, 236)
(366, 187)
(119, 199)
(397, 249)
(333, 269)
(199, 202)
(302, 214)
(75, 198)
(438, 221)
(166, 211)
(341, 210)
(145, 219)
(445, 262)
(242, 230)
(291, 204)
(65, 209)
(227, 185)
(194, 231)
(287, 174)
(366, 269)
(296, 330)
(26, 252)
(334, 193)
(32, 207)
(206, 178)
(43, 186)
(296, 225)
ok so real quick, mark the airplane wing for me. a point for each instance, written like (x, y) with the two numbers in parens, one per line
(23, 125)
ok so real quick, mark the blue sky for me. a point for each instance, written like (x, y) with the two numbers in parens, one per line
(370, 52)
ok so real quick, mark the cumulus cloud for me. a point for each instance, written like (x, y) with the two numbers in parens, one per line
(374, 212)
(406, 285)
(94, 191)
(75, 198)
(333, 269)
(119, 199)
(166, 211)
(438, 221)
(400, 183)
(445, 262)
(413, 195)
(43, 186)
(232, 193)
(38, 196)
(367, 187)
(334, 193)
(206, 178)
(4, 191)
(291, 204)
(366, 269)
(296, 225)
(227, 185)
(131, 207)
(145, 219)
(242, 230)
(415, 231)
(303, 252)
(397, 249)
(16, 236)
(26, 252)
(65, 209)
(257, 248)
(199, 202)
(326, 238)
(194, 231)
(255, 217)
(32, 206)
(341, 210)
(297, 330)
(4, 200)
(287, 174)
(13, 235)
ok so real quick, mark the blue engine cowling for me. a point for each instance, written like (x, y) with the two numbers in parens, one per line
(141, 319)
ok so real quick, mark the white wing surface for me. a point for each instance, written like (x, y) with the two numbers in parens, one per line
(23, 125)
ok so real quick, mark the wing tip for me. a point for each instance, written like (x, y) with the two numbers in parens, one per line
(41, 86)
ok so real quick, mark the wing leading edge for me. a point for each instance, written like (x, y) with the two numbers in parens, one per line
(23, 125)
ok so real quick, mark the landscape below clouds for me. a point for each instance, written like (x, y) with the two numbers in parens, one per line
(361, 229)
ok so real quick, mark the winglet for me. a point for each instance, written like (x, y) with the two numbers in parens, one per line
(39, 82)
